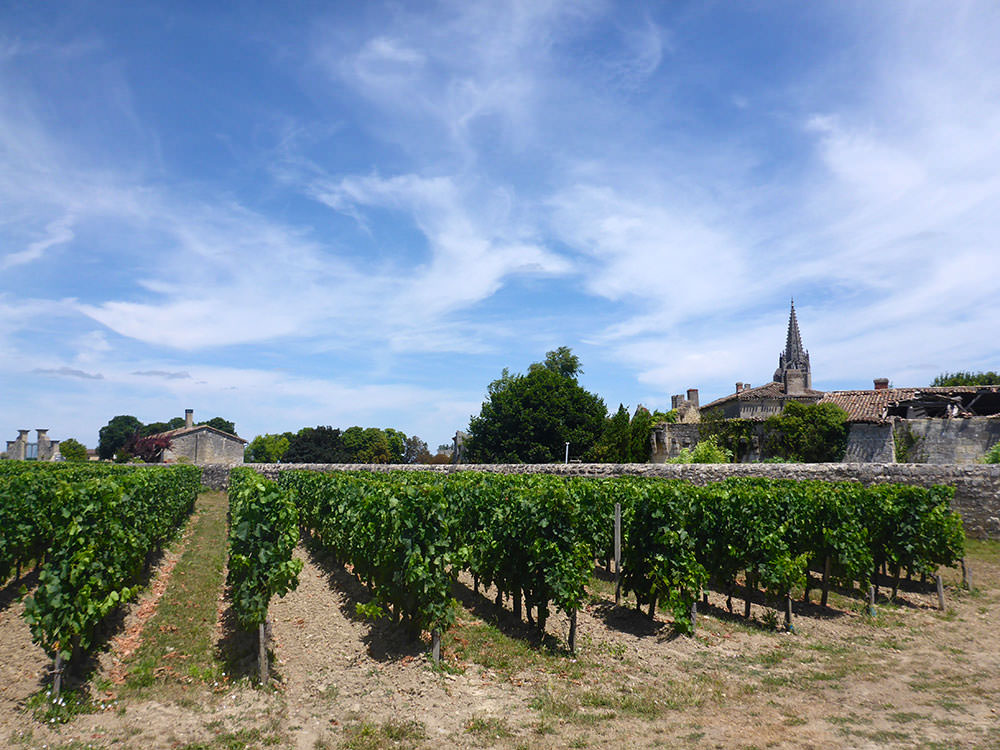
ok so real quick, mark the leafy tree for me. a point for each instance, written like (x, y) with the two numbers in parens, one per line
(966, 378)
(154, 428)
(72, 450)
(415, 451)
(268, 448)
(530, 418)
(316, 445)
(561, 361)
(639, 431)
(373, 447)
(222, 424)
(148, 449)
(670, 417)
(115, 433)
(613, 446)
(807, 433)
(397, 445)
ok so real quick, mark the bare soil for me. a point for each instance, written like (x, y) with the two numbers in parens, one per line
(912, 677)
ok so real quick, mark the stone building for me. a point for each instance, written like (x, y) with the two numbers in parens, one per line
(943, 425)
(201, 444)
(43, 449)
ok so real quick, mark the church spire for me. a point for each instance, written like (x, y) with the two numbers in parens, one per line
(793, 342)
(795, 356)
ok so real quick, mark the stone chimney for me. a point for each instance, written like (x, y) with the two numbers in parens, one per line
(795, 382)
(881, 384)
(675, 401)
(693, 396)
(739, 386)
(189, 417)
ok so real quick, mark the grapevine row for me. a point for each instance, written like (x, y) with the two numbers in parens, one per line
(95, 534)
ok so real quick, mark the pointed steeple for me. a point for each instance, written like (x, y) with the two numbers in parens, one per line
(793, 342)
(795, 356)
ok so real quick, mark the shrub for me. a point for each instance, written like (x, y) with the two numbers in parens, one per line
(707, 451)
(992, 455)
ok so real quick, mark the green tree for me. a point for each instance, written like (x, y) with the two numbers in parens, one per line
(561, 361)
(316, 445)
(115, 434)
(154, 428)
(72, 450)
(222, 424)
(807, 433)
(415, 451)
(374, 447)
(397, 445)
(530, 418)
(613, 446)
(640, 429)
(268, 448)
(966, 378)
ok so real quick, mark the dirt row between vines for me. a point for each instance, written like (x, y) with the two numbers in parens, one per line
(910, 677)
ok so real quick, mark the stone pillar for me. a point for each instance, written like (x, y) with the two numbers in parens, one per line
(18, 450)
(44, 445)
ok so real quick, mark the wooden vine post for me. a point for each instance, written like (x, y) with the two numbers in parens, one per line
(572, 632)
(262, 651)
(436, 645)
(966, 576)
(871, 600)
(788, 613)
(618, 554)
(57, 670)
(940, 591)
(826, 581)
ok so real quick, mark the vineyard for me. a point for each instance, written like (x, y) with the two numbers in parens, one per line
(422, 548)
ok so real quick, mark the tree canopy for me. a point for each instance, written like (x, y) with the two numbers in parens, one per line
(355, 445)
(561, 361)
(115, 434)
(268, 448)
(966, 378)
(624, 439)
(72, 450)
(530, 418)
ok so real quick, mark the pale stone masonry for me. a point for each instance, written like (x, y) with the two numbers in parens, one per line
(977, 487)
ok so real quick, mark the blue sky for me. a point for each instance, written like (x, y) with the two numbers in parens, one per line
(359, 213)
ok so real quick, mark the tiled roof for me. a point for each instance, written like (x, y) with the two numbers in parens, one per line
(761, 392)
(871, 406)
(867, 406)
(185, 430)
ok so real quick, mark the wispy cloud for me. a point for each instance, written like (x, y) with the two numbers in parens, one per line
(69, 372)
(163, 374)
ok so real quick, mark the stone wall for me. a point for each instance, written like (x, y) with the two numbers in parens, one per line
(948, 441)
(670, 439)
(870, 443)
(977, 487)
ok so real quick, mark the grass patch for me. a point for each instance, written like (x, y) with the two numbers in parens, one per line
(178, 641)
(390, 734)
(488, 728)
(242, 739)
(69, 704)
(472, 640)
